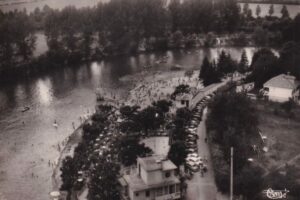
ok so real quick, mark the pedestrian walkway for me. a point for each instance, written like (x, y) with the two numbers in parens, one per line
(203, 188)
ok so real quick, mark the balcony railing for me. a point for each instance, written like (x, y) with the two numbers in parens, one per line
(169, 196)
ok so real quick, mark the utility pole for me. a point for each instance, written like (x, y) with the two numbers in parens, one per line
(231, 173)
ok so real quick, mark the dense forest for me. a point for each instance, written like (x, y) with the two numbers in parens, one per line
(130, 26)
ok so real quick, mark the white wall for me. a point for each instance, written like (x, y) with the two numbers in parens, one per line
(154, 177)
(279, 94)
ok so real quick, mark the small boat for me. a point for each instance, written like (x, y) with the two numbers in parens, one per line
(26, 108)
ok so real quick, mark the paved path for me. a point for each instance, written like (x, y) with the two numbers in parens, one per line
(203, 188)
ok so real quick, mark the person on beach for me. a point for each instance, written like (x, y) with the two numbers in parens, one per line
(55, 124)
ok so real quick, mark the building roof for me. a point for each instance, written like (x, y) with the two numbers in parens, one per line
(282, 81)
(184, 96)
(137, 184)
(156, 162)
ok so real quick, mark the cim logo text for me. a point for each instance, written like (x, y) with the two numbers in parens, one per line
(276, 194)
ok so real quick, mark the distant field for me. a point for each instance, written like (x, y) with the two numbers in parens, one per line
(283, 136)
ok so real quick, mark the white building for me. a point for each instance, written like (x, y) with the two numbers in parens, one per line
(183, 100)
(281, 88)
(244, 87)
(154, 179)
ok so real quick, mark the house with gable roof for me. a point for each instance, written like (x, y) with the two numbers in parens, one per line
(154, 179)
(281, 88)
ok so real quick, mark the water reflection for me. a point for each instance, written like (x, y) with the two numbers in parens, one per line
(44, 91)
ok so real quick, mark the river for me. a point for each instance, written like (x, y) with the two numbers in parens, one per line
(28, 140)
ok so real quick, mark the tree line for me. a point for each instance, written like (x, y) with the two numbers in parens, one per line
(129, 26)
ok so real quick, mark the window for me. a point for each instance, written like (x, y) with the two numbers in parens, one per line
(167, 174)
(182, 102)
(267, 89)
(147, 193)
(177, 187)
(171, 189)
(159, 191)
(136, 194)
(166, 190)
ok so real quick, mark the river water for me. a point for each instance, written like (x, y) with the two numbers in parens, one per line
(28, 140)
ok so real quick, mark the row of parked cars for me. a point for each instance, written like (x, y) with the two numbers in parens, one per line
(193, 161)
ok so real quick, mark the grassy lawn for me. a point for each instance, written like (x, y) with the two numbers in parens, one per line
(283, 135)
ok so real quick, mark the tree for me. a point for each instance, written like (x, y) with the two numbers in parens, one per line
(104, 181)
(258, 11)
(177, 39)
(68, 175)
(232, 122)
(178, 133)
(87, 29)
(213, 75)
(226, 64)
(129, 149)
(241, 40)
(284, 12)
(292, 30)
(271, 10)
(244, 64)
(129, 112)
(6, 42)
(69, 26)
(24, 35)
(249, 182)
(163, 105)
(204, 68)
(56, 51)
(260, 36)
(184, 114)
(177, 153)
(264, 66)
(249, 14)
(150, 118)
(233, 114)
(290, 58)
(175, 13)
(245, 9)
(130, 126)
(180, 89)
(229, 15)
(91, 131)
